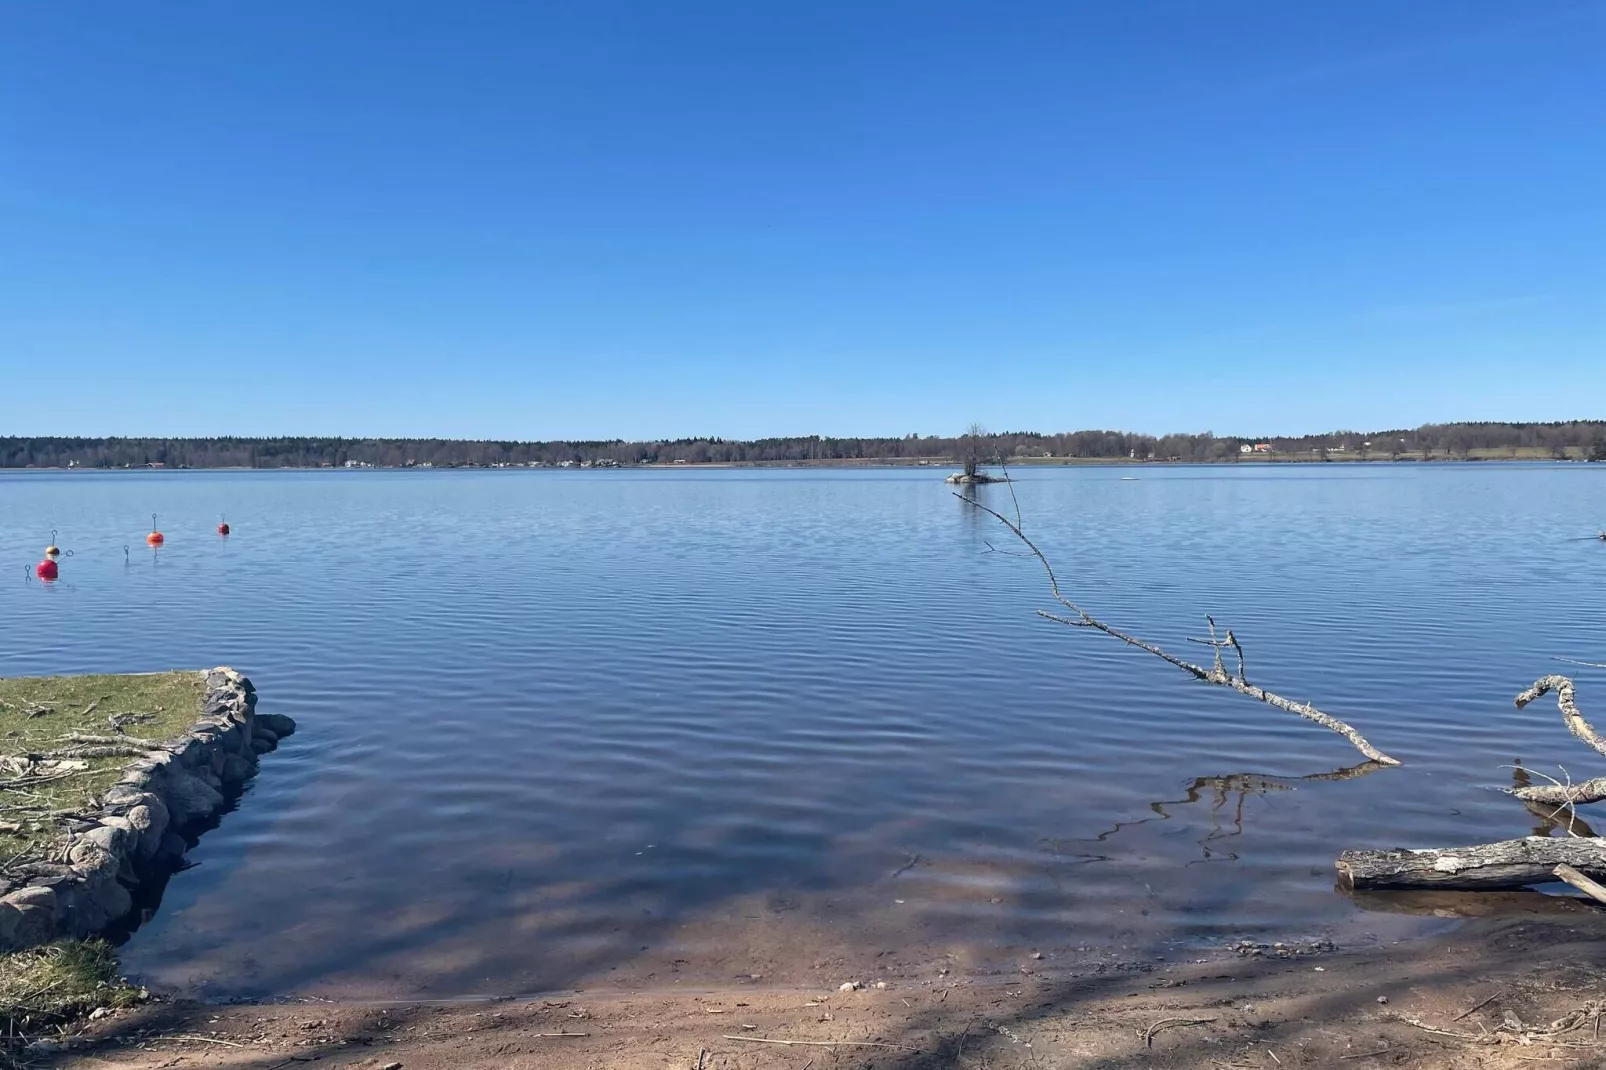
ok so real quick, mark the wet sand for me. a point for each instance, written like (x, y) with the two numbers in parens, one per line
(1516, 989)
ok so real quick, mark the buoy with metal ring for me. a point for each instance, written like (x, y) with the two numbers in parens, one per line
(52, 550)
(223, 525)
(46, 570)
(155, 538)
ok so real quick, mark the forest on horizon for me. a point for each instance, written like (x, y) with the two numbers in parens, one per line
(1575, 439)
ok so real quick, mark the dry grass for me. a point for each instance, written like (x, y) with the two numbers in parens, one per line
(38, 714)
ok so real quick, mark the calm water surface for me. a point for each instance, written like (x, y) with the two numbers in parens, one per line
(564, 728)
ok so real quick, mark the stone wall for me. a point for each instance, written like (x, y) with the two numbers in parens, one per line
(137, 833)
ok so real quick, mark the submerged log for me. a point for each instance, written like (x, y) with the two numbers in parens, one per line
(1507, 864)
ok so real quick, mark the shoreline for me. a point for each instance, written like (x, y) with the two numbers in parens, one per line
(87, 859)
(1485, 995)
(1272, 461)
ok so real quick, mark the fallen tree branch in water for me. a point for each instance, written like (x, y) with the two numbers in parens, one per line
(1507, 864)
(1585, 664)
(1581, 882)
(1217, 674)
(1510, 863)
(1587, 791)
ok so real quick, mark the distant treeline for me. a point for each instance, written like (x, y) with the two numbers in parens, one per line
(1577, 438)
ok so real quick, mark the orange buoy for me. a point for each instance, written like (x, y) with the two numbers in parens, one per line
(46, 570)
(155, 538)
(223, 525)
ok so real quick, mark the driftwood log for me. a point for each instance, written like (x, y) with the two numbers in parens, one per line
(1507, 864)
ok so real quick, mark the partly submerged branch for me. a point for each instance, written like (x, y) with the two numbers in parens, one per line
(1508, 864)
(1587, 791)
(1566, 701)
(1217, 674)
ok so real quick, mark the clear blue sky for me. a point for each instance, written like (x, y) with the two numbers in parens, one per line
(750, 217)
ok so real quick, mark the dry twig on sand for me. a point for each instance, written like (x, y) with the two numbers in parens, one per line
(1170, 1023)
(1478, 1006)
(820, 1043)
(1366, 1054)
(1515, 1032)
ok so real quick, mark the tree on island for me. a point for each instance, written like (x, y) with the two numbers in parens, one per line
(975, 435)
(972, 443)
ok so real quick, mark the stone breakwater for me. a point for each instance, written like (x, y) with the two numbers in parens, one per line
(138, 831)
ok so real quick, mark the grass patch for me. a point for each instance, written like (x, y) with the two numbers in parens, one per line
(38, 715)
(45, 988)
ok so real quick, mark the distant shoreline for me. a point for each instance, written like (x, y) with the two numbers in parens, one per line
(1555, 440)
(1259, 460)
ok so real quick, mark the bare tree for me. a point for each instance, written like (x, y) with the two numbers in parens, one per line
(977, 447)
(974, 438)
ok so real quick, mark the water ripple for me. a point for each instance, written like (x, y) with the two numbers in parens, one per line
(556, 724)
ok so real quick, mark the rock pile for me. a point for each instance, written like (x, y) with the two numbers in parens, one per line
(139, 827)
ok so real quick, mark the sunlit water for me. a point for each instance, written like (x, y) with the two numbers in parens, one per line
(647, 727)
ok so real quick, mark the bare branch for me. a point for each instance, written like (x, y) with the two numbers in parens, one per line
(1232, 641)
(1570, 794)
(1003, 467)
(1549, 803)
(1569, 708)
(1585, 664)
(1585, 791)
(1216, 675)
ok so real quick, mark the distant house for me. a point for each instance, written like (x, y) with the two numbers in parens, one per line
(1263, 447)
(1246, 448)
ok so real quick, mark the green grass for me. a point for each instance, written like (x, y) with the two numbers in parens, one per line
(158, 706)
(45, 988)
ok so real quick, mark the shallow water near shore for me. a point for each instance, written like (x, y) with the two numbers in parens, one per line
(563, 729)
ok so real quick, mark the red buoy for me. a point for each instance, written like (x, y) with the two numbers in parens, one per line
(155, 537)
(223, 525)
(46, 569)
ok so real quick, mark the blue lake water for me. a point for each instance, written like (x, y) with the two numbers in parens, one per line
(562, 729)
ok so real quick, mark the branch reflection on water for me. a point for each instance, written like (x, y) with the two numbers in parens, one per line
(1551, 819)
(1232, 789)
